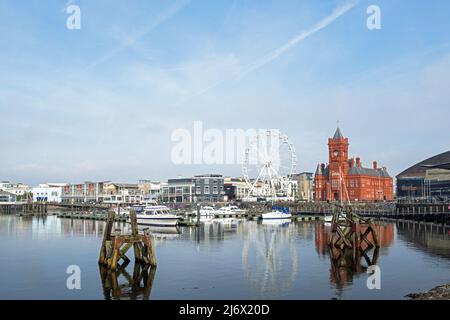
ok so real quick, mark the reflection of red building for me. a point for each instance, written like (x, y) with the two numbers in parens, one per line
(343, 267)
(357, 182)
(385, 235)
(321, 238)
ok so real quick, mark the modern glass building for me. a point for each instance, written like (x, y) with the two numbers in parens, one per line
(428, 179)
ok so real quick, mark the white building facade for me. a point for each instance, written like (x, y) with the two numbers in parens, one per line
(48, 193)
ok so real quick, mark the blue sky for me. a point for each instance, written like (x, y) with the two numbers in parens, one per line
(101, 103)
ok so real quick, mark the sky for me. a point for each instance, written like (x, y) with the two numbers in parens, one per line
(102, 102)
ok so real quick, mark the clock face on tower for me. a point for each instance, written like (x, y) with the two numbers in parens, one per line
(335, 153)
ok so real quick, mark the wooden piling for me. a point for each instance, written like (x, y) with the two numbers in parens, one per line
(115, 245)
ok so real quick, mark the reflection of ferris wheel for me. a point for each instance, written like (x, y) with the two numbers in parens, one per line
(269, 163)
(269, 257)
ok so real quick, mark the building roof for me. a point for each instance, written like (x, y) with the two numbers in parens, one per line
(418, 170)
(319, 170)
(445, 166)
(3, 192)
(209, 175)
(180, 180)
(359, 170)
(126, 185)
(338, 134)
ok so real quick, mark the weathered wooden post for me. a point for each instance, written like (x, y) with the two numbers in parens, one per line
(115, 246)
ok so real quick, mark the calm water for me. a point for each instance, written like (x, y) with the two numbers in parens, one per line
(250, 261)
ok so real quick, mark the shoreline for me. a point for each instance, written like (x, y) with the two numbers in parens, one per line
(441, 292)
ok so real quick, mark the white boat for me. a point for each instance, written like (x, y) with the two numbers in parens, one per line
(276, 215)
(231, 210)
(157, 216)
(205, 212)
(328, 218)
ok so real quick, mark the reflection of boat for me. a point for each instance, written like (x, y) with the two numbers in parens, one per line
(161, 230)
(226, 221)
(276, 222)
(157, 216)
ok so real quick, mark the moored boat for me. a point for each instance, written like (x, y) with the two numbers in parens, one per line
(277, 213)
(230, 210)
(157, 216)
(205, 212)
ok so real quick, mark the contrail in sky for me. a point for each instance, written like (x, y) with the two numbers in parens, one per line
(271, 56)
(337, 12)
(172, 10)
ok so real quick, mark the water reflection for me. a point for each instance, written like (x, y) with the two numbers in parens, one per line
(121, 285)
(246, 259)
(269, 256)
(347, 264)
(429, 237)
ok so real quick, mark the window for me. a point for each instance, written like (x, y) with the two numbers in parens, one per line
(206, 189)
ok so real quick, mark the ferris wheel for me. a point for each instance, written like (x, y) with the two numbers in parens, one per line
(269, 163)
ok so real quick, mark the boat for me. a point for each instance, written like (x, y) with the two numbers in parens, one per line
(205, 212)
(277, 213)
(230, 210)
(157, 216)
(328, 218)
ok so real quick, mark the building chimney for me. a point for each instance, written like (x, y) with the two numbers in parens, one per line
(352, 162)
(375, 165)
(358, 162)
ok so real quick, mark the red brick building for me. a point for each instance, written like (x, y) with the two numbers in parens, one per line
(349, 177)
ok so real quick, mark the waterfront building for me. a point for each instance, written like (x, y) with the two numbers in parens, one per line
(235, 188)
(179, 190)
(83, 192)
(150, 190)
(209, 188)
(292, 190)
(49, 192)
(305, 186)
(19, 189)
(121, 193)
(6, 196)
(428, 179)
(238, 189)
(349, 177)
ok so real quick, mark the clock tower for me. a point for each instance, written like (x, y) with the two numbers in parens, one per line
(338, 165)
(343, 179)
